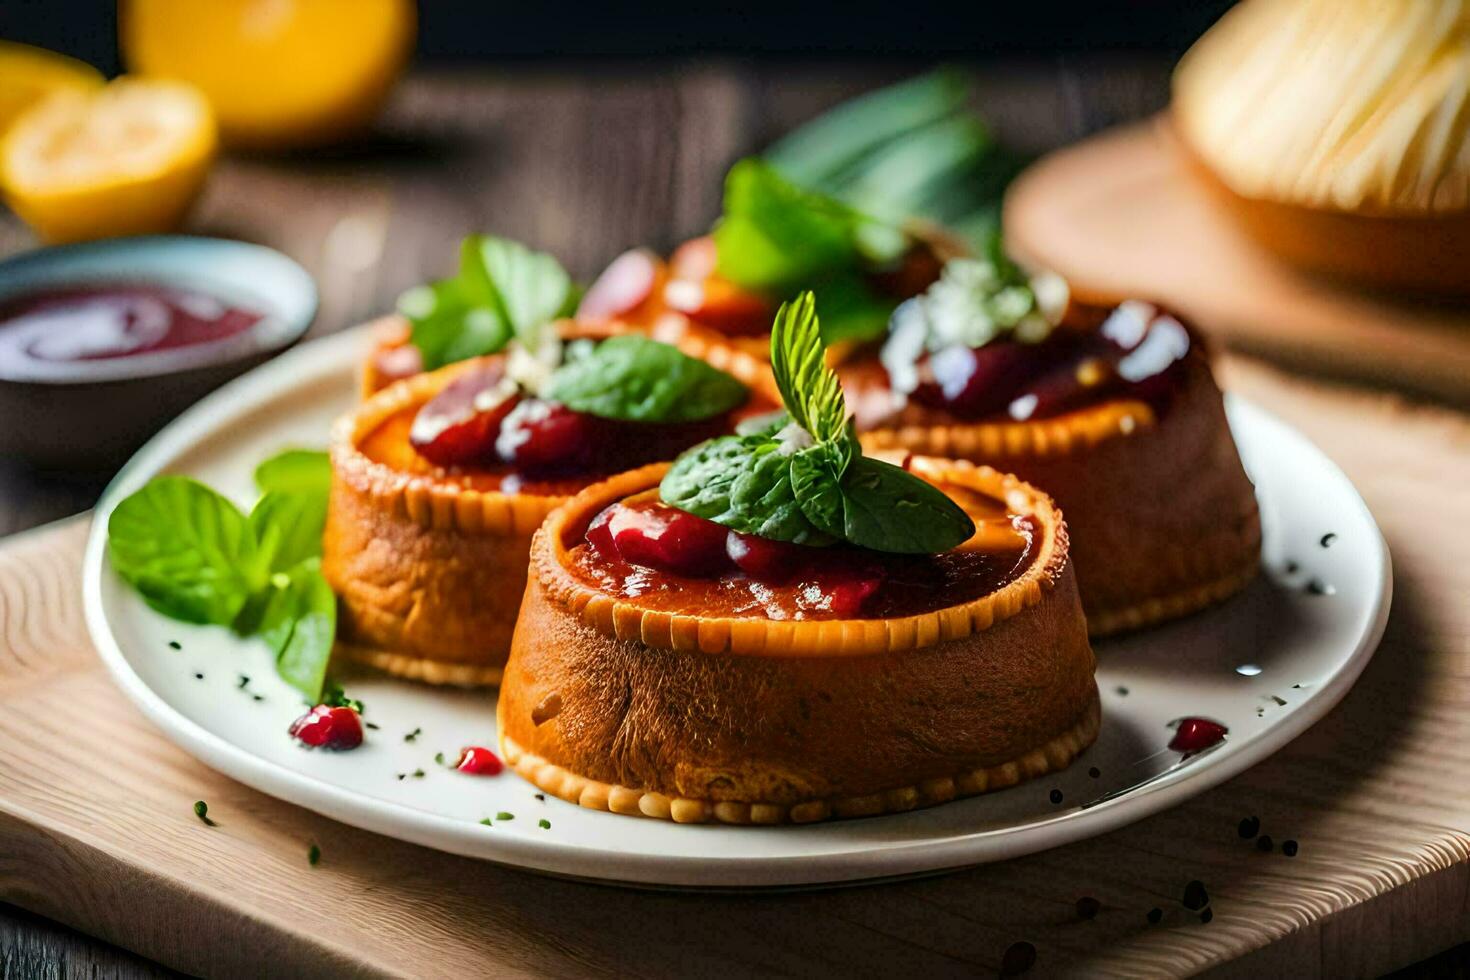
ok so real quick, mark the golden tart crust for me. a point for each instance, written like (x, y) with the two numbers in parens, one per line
(1163, 518)
(745, 720)
(428, 572)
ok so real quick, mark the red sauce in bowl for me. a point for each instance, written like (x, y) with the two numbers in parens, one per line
(100, 322)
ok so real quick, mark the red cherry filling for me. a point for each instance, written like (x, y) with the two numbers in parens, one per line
(1136, 351)
(479, 761)
(460, 424)
(653, 535)
(661, 537)
(763, 559)
(543, 437)
(326, 727)
(1197, 734)
(623, 286)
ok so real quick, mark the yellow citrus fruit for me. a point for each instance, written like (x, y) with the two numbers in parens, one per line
(29, 74)
(126, 159)
(279, 73)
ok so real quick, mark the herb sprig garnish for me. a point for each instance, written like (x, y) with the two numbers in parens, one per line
(195, 557)
(503, 291)
(803, 478)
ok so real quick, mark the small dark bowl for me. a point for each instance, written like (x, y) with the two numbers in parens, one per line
(89, 415)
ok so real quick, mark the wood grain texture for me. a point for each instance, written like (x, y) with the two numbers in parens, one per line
(1375, 793)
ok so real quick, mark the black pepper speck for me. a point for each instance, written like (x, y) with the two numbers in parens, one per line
(1250, 827)
(1289, 848)
(1088, 907)
(1122, 691)
(1207, 915)
(1316, 587)
(1328, 538)
(1195, 896)
(1056, 796)
(1018, 958)
(175, 645)
(199, 677)
(1094, 772)
(1155, 916)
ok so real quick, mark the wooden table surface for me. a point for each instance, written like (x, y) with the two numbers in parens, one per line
(581, 162)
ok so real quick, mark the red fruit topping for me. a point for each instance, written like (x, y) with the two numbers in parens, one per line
(624, 285)
(460, 424)
(599, 534)
(326, 727)
(696, 259)
(974, 383)
(479, 761)
(395, 363)
(763, 559)
(1197, 734)
(544, 437)
(721, 305)
(844, 591)
(657, 536)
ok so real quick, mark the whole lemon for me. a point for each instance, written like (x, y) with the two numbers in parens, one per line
(279, 73)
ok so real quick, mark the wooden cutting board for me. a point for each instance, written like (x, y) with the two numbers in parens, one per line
(97, 827)
(1120, 214)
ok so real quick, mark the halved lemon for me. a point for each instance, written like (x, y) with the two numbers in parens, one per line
(29, 74)
(127, 159)
(278, 73)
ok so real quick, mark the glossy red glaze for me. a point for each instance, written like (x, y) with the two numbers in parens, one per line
(547, 437)
(657, 536)
(623, 286)
(1197, 734)
(327, 727)
(478, 761)
(459, 426)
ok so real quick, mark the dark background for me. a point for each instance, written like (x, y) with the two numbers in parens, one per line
(460, 31)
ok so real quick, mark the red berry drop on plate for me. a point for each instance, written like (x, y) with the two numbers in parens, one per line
(478, 761)
(1197, 734)
(326, 727)
(460, 424)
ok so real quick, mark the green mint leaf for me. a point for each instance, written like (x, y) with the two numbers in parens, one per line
(288, 528)
(186, 549)
(295, 470)
(526, 288)
(449, 324)
(821, 152)
(808, 386)
(777, 237)
(503, 290)
(299, 624)
(642, 380)
(743, 483)
(816, 483)
(889, 509)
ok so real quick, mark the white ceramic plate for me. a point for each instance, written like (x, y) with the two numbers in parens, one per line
(1266, 664)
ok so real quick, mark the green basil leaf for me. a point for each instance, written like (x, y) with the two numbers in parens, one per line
(297, 471)
(449, 324)
(299, 624)
(889, 509)
(527, 288)
(743, 483)
(642, 380)
(186, 549)
(288, 528)
(777, 237)
(852, 310)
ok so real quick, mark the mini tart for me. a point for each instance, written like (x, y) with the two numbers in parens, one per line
(1163, 519)
(428, 572)
(697, 717)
